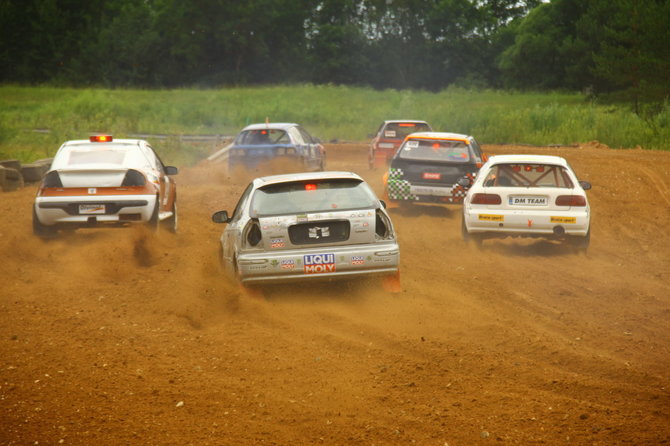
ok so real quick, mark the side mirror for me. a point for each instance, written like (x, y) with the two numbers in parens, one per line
(383, 203)
(171, 170)
(220, 217)
(464, 181)
(585, 185)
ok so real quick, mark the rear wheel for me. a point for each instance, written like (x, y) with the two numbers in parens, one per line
(153, 221)
(467, 237)
(171, 223)
(581, 244)
(42, 231)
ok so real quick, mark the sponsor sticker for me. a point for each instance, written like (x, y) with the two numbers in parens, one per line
(357, 260)
(431, 176)
(92, 190)
(277, 243)
(319, 263)
(491, 217)
(91, 208)
(288, 264)
(527, 201)
(563, 219)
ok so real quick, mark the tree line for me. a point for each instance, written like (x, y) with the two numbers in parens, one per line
(599, 45)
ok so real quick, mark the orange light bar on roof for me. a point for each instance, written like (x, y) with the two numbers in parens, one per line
(101, 138)
(407, 124)
(310, 186)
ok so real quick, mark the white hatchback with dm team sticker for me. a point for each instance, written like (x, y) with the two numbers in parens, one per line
(527, 196)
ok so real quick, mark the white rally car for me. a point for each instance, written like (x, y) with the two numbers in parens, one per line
(104, 180)
(527, 196)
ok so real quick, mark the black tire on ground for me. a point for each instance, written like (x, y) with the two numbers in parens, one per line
(12, 179)
(33, 172)
(42, 231)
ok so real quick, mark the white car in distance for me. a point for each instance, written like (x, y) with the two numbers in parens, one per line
(527, 196)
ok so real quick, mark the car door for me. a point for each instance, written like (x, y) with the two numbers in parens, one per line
(301, 146)
(167, 183)
(315, 158)
(232, 235)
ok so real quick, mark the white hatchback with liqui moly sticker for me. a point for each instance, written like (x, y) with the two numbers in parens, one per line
(105, 181)
(528, 196)
(306, 226)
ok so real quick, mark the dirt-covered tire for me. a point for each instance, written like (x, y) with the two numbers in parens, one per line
(42, 231)
(172, 223)
(153, 221)
(470, 238)
(581, 244)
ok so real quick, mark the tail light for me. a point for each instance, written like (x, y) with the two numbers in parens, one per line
(52, 179)
(486, 199)
(570, 200)
(133, 178)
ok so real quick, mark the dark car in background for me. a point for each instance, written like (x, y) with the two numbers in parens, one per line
(388, 138)
(260, 144)
(429, 165)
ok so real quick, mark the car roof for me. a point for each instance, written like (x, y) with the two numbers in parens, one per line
(539, 159)
(439, 135)
(304, 176)
(270, 125)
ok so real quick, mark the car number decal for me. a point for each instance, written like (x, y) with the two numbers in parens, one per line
(319, 263)
(490, 217)
(553, 219)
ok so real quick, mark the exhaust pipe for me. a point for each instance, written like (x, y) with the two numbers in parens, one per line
(559, 230)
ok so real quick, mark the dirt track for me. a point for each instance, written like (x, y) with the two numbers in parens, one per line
(116, 336)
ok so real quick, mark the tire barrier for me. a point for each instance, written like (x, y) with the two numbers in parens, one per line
(14, 175)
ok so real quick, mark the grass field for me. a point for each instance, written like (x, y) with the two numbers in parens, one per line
(329, 112)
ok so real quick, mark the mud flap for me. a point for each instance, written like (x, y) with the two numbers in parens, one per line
(391, 284)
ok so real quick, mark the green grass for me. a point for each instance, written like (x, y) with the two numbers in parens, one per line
(329, 112)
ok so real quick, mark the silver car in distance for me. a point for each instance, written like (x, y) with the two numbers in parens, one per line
(306, 226)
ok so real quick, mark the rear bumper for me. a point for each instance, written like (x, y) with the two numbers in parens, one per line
(329, 262)
(403, 190)
(113, 209)
(492, 223)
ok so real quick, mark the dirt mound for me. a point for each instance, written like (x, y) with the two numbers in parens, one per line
(124, 336)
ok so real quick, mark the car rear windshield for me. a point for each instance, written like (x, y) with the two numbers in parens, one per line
(108, 155)
(399, 130)
(301, 197)
(262, 136)
(438, 150)
(528, 175)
